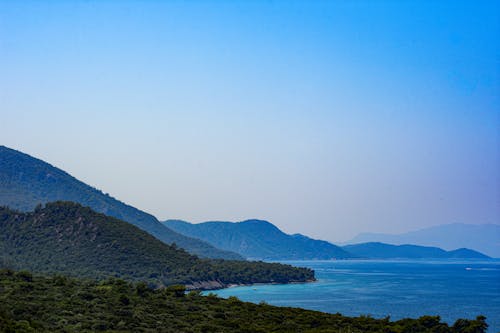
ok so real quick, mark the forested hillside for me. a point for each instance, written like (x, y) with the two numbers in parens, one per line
(59, 304)
(67, 238)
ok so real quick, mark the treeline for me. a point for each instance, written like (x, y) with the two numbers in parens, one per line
(67, 238)
(61, 304)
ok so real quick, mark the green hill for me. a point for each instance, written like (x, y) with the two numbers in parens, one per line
(258, 239)
(65, 237)
(59, 304)
(26, 182)
(376, 250)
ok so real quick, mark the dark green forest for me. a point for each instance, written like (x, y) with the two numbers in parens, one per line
(67, 238)
(60, 304)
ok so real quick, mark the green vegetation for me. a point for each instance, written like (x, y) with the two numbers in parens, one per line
(26, 182)
(258, 239)
(67, 238)
(51, 304)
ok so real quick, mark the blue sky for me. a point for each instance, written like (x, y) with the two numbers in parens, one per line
(327, 118)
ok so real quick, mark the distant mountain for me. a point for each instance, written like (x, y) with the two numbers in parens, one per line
(26, 181)
(257, 239)
(67, 238)
(480, 237)
(376, 250)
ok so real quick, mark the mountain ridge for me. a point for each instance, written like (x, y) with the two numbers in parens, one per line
(26, 181)
(484, 238)
(378, 250)
(259, 239)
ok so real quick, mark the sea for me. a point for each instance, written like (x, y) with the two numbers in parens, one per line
(451, 289)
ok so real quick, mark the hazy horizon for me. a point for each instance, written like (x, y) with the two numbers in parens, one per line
(326, 118)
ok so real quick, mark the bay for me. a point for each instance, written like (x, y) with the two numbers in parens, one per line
(451, 289)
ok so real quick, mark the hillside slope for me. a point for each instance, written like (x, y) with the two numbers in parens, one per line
(375, 250)
(258, 239)
(26, 181)
(67, 238)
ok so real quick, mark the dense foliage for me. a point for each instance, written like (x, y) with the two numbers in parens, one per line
(65, 237)
(258, 239)
(50, 304)
(26, 182)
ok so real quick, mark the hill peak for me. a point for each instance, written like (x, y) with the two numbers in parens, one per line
(259, 224)
(256, 221)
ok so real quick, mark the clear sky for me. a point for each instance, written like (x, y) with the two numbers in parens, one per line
(327, 118)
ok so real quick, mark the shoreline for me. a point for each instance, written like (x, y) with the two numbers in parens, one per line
(218, 285)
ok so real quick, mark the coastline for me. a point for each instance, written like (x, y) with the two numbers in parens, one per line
(218, 285)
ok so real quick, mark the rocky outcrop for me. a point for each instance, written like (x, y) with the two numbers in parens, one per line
(205, 285)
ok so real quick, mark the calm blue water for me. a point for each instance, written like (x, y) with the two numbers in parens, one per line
(450, 289)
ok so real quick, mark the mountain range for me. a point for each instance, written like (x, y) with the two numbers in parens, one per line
(26, 181)
(481, 237)
(257, 239)
(67, 238)
(376, 250)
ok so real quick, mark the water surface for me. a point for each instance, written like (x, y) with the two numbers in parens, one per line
(451, 289)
